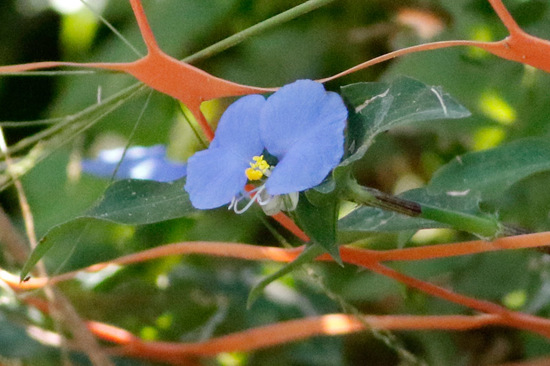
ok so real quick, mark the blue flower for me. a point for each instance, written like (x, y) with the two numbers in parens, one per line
(301, 125)
(139, 163)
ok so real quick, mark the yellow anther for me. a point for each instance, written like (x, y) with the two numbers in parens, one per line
(263, 165)
(257, 168)
(253, 174)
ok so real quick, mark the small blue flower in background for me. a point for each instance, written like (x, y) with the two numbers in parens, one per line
(301, 125)
(139, 163)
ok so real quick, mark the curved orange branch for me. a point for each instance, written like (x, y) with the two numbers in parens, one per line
(366, 258)
(511, 318)
(295, 330)
(505, 16)
(278, 333)
(519, 46)
(534, 240)
(291, 226)
(164, 73)
(351, 255)
(192, 86)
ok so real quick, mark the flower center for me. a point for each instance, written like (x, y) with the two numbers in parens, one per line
(258, 168)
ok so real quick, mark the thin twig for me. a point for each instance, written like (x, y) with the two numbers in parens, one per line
(14, 244)
(112, 28)
(256, 29)
(61, 309)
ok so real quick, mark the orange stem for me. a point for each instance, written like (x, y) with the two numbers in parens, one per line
(351, 255)
(167, 74)
(278, 333)
(291, 226)
(519, 46)
(449, 250)
(365, 258)
(164, 73)
(505, 16)
(294, 330)
(511, 318)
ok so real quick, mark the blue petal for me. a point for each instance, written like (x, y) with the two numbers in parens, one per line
(217, 174)
(214, 177)
(238, 129)
(139, 163)
(306, 164)
(303, 126)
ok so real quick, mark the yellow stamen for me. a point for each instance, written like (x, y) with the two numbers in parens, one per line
(257, 169)
(252, 174)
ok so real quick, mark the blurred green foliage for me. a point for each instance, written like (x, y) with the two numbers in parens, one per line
(192, 298)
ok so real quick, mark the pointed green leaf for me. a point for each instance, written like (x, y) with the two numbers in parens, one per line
(377, 107)
(131, 202)
(68, 232)
(319, 222)
(362, 119)
(489, 173)
(137, 202)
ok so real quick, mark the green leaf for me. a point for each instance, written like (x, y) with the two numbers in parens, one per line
(138, 202)
(372, 219)
(319, 222)
(378, 106)
(360, 136)
(489, 173)
(131, 202)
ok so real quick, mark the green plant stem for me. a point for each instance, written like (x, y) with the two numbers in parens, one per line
(307, 256)
(58, 134)
(484, 227)
(257, 29)
(76, 121)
